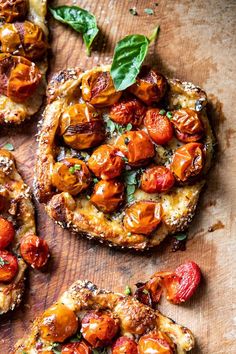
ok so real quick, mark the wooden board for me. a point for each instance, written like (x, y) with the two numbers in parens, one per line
(196, 43)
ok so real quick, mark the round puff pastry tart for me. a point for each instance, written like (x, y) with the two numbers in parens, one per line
(23, 58)
(125, 168)
(89, 320)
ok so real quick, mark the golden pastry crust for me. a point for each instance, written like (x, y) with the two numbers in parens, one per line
(21, 213)
(12, 112)
(135, 319)
(77, 213)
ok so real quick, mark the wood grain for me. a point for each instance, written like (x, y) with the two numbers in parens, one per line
(196, 43)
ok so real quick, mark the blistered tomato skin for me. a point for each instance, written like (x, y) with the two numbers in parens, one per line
(157, 179)
(71, 175)
(159, 126)
(155, 343)
(8, 266)
(188, 161)
(76, 348)
(142, 217)
(108, 195)
(105, 162)
(23, 38)
(150, 86)
(13, 10)
(7, 233)
(98, 328)
(124, 345)
(187, 125)
(58, 323)
(81, 126)
(19, 77)
(137, 147)
(98, 89)
(34, 251)
(128, 110)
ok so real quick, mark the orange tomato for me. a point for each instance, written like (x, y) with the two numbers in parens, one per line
(76, 348)
(128, 110)
(7, 233)
(187, 161)
(8, 266)
(155, 343)
(13, 10)
(159, 126)
(136, 146)
(34, 251)
(187, 124)
(157, 179)
(124, 345)
(105, 163)
(142, 217)
(108, 195)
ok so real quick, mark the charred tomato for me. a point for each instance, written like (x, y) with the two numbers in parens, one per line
(13, 10)
(156, 343)
(8, 266)
(159, 127)
(157, 179)
(128, 110)
(124, 345)
(7, 233)
(187, 125)
(76, 348)
(34, 251)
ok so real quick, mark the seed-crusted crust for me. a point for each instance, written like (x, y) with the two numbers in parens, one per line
(78, 214)
(135, 319)
(21, 213)
(13, 112)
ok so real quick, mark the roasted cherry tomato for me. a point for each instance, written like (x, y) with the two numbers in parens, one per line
(142, 217)
(23, 38)
(7, 233)
(128, 110)
(136, 146)
(182, 284)
(4, 201)
(124, 345)
(98, 88)
(108, 195)
(188, 125)
(11, 10)
(34, 251)
(105, 162)
(159, 126)
(150, 86)
(19, 77)
(8, 266)
(155, 343)
(58, 323)
(71, 175)
(76, 348)
(157, 179)
(81, 126)
(99, 328)
(187, 161)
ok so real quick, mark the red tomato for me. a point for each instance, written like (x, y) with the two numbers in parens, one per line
(157, 179)
(155, 343)
(159, 126)
(8, 266)
(136, 146)
(142, 217)
(34, 251)
(99, 328)
(7, 233)
(76, 348)
(187, 161)
(128, 110)
(105, 163)
(124, 345)
(188, 125)
(182, 284)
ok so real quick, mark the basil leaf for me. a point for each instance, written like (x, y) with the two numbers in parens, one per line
(180, 236)
(128, 290)
(80, 20)
(129, 55)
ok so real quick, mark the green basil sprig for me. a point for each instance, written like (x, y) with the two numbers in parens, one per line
(129, 55)
(80, 20)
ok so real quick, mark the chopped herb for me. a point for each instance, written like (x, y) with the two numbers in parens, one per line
(129, 234)
(125, 159)
(162, 112)
(145, 291)
(113, 127)
(95, 180)
(129, 127)
(169, 115)
(3, 262)
(127, 290)
(127, 141)
(131, 181)
(76, 338)
(56, 348)
(72, 170)
(133, 11)
(149, 11)
(77, 167)
(88, 197)
(180, 236)
(9, 147)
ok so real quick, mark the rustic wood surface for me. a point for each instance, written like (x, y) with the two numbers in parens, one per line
(196, 43)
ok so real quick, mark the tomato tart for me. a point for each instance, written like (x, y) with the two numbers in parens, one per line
(122, 167)
(19, 246)
(23, 58)
(89, 320)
